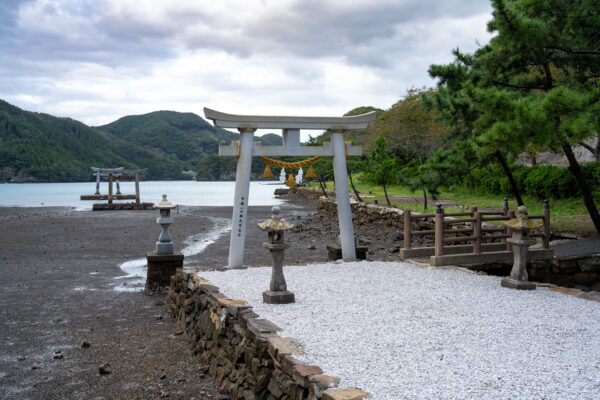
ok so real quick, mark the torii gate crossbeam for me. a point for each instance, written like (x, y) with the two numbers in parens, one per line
(248, 124)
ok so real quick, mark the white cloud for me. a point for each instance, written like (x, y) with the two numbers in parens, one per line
(97, 61)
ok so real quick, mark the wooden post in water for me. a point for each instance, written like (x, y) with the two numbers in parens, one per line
(439, 230)
(137, 188)
(407, 230)
(110, 193)
(97, 181)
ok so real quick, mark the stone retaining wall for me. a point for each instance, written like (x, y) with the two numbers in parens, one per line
(311, 193)
(122, 206)
(373, 214)
(581, 272)
(243, 353)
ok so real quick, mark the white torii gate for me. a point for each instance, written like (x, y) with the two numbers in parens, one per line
(248, 124)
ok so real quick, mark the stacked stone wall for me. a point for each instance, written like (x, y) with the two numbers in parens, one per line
(310, 193)
(582, 272)
(243, 353)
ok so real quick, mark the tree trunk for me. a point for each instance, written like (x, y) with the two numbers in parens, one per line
(386, 196)
(511, 179)
(320, 179)
(423, 186)
(595, 150)
(352, 184)
(588, 199)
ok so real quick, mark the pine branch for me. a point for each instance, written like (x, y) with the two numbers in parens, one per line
(573, 51)
(518, 86)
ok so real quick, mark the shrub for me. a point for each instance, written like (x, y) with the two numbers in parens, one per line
(546, 181)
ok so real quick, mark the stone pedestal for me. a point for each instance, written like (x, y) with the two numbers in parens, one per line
(518, 276)
(515, 284)
(160, 269)
(278, 297)
(335, 252)
(278, 293)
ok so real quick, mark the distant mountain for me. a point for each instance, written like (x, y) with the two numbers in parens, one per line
(38, 147)
(185, 136)
(269, 139)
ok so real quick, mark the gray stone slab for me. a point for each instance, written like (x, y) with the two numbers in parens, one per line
(278, 297)
(260, 326)
(515, 284)
(482, 258)
(581, 247)
(594, 296)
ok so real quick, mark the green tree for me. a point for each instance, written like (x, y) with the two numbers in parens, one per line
(380, 167)
(323, 167)
(536, 81)
(413, 132)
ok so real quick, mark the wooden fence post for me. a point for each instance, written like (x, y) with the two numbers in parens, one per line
(407, 230)
(546, 212)
(505, 206)
(439, 230)
(477, 233)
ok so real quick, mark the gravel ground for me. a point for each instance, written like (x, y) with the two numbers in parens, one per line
(397, 330)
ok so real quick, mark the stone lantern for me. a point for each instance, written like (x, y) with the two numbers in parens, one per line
(163, 262)
(520, 227)
(275, 227)
(164, 244)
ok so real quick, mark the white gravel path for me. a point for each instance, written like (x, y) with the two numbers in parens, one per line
(397, 331)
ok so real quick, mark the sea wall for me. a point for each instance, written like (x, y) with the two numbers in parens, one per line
(581, 272)
(244, 353)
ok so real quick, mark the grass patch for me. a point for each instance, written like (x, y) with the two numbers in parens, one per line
(569, 214)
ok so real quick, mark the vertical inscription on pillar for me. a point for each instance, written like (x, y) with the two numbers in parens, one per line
(241, 217)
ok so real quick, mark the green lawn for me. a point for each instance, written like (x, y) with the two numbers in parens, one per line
(565, 214)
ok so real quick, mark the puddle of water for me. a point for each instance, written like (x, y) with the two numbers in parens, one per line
(197, 243)
(135, 270)
(82, 288)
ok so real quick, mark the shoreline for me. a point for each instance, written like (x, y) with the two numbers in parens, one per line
(59, 266)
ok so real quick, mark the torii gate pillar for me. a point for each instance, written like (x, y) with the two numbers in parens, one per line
(240, 198)
(291, 126)
(342, 196)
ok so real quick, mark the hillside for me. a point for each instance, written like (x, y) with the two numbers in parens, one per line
(184, 136)
(38, 147)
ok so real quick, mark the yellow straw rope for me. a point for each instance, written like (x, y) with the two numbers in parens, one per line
(289, 165)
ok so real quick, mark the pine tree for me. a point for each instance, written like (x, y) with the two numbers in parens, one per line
(537, 81)
(380, 166)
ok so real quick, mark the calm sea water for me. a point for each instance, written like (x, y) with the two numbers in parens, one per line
(190, 193)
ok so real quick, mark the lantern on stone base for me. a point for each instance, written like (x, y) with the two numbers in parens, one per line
(164, 244)
(520, 227)
(164, 262)
(275, 227)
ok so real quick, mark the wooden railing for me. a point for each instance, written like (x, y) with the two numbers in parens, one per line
(478, 233)
(473, 228)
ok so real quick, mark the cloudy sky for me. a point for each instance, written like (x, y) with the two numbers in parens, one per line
(98, 60)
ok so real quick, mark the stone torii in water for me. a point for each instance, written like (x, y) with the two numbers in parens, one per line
(290, 126)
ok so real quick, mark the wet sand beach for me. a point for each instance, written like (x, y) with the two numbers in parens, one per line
(62, 317)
